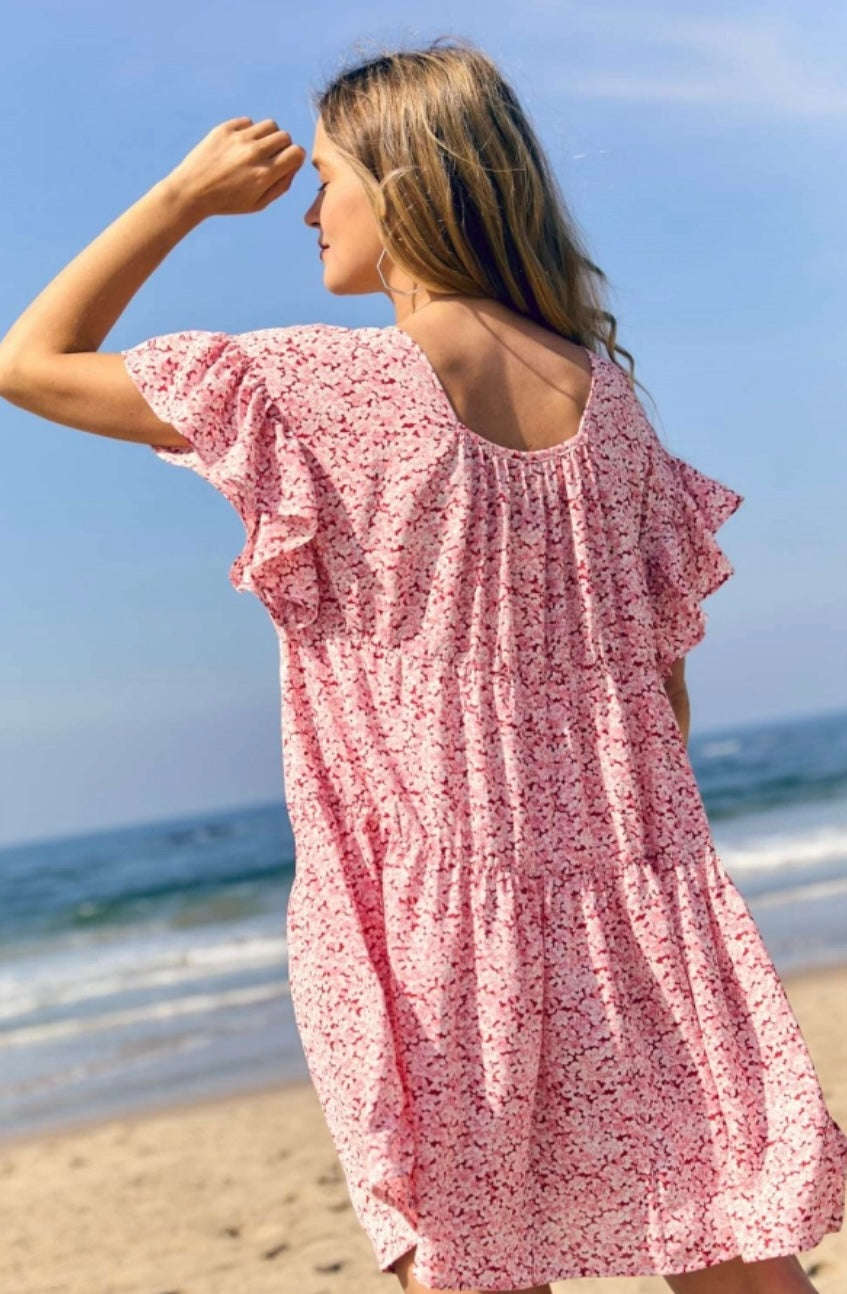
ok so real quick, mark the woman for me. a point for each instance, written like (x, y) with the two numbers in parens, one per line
(544, 1029)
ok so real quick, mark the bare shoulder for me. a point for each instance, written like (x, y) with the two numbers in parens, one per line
(508, 378)
(485, 342)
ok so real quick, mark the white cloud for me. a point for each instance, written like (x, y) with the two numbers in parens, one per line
(765, 64)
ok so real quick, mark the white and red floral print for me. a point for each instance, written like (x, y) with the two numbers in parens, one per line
(545, 1031)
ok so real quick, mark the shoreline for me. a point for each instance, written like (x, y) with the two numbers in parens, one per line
(243, 1190)
(141, 1113)
(794, 980)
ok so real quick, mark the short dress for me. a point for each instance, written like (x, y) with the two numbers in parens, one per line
(544, 1029)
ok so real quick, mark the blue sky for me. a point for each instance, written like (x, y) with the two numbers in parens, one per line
(702, 155)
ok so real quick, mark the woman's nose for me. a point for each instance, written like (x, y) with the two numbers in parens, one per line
(311, 217)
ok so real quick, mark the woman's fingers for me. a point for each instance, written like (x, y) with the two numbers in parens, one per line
(275, 191)
(267, 136)
(259, 129)
(278, 142)
(272, 145)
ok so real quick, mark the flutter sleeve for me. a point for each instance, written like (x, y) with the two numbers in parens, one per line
(206, 385)
(683, 562)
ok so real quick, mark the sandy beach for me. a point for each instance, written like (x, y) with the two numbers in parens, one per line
(244, 1195)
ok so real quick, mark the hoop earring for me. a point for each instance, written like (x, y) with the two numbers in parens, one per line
(388, 289)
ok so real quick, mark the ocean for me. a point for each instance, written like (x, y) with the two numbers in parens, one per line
(145, 966)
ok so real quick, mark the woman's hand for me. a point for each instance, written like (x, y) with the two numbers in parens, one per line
(238, 168)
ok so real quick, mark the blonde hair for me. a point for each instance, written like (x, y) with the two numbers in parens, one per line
(464, 196)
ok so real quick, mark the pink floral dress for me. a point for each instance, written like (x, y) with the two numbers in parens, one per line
(546, 1034)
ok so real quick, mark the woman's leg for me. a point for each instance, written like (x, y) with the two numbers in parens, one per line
(411, 1285)
(779, 1276)
(723, 1278)
(783, 1275)
(770, 1276)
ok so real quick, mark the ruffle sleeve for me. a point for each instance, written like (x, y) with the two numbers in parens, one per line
(682, 511)
(206, 386)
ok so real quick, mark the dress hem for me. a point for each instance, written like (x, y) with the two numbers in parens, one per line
(443, 1277)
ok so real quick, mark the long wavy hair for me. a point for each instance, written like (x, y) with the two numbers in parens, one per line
(461, 189)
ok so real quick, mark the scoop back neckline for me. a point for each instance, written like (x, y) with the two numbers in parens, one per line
(561, 449)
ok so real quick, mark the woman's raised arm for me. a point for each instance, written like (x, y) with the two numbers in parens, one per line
(49, 360)
(91, 392)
